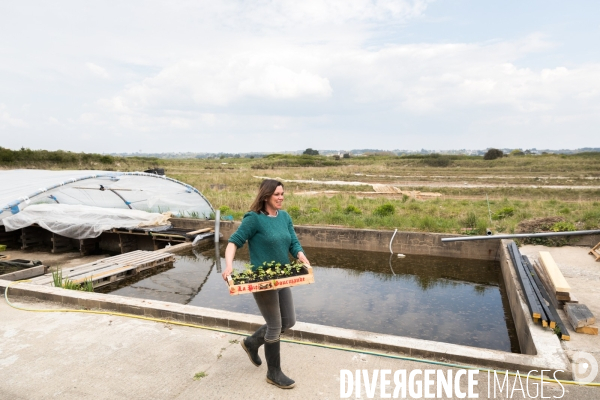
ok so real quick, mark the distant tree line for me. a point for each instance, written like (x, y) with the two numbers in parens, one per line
(24, 156)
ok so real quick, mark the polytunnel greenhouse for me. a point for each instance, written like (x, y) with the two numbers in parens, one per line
(83, 204)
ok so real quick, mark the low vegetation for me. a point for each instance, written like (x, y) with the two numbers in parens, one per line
(65, 283)
(200, 375)
(520, 187)
(27, 158)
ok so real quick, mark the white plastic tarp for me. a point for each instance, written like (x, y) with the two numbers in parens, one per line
(82, 222)
(20, 189)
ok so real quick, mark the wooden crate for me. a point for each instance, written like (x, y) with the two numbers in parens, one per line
(272, 284)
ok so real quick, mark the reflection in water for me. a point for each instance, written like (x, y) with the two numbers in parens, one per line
(434, 298)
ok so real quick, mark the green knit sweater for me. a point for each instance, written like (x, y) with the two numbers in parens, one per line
(269, 238)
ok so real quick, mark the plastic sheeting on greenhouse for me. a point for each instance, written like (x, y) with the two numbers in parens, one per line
(84, 222)
(151, 193)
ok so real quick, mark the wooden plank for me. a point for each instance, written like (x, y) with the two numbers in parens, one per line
(175, 248)
(556, 277)
(168, 236)
(572, 299)
(589, 330)
(595, 251)
(128, 232)
(539, 290)
(547, 285)
(110, 272)
(579, 315)
(199, 231)
(139, 256)
(98, 263)
(558, 323)
(532, 301)
(143, 259)
(173, 239)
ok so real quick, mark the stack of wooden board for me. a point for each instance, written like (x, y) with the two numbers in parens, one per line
(580, 317)
(554, 281)
(558, 283)
(536, 295)
(561, 296)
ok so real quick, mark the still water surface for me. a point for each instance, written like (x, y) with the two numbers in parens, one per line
(434, 298)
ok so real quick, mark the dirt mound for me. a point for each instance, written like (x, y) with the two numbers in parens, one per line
(538, 224)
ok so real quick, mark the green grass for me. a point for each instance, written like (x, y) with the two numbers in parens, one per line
(65, 283)
(232, 187)
(200, 375)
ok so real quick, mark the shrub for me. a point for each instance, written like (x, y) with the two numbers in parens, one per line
(437, 160)
(428, 224)
(481, 228)
(591, 219)
(352, 210)
(225, 210)
(470, 220)
(106, 160)
(311, 152)
(414, 206)
(493, 154)
(563, 227)
(384, 210)
(405, 198)
(503, 213)
(294, 211)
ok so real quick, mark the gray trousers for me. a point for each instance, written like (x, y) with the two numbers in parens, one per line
(277, 308)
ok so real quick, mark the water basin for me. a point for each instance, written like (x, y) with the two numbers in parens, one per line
(450, 300)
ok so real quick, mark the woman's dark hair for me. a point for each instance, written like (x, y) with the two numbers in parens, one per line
(266, 190)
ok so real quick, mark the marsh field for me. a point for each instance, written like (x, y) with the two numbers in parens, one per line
(431, 193)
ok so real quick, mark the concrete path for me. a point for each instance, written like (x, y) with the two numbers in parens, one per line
(76, 356)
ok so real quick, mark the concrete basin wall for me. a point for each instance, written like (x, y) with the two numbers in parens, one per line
(371, 240)
(518, 307)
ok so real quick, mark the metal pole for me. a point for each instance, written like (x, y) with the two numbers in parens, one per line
(217, 225)
(218, 256)
(520, 235)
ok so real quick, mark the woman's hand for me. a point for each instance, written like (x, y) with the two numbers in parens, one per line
(227, 272)
(302, 258)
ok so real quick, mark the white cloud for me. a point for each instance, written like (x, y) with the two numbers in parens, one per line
(422, 79)
(97, 70)
(318, 70)
(220, 81)
(6, 120)
(308, 12)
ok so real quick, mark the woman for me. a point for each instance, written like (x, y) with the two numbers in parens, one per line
(271, 237)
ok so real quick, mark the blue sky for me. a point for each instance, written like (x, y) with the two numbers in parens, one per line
(239, 76)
